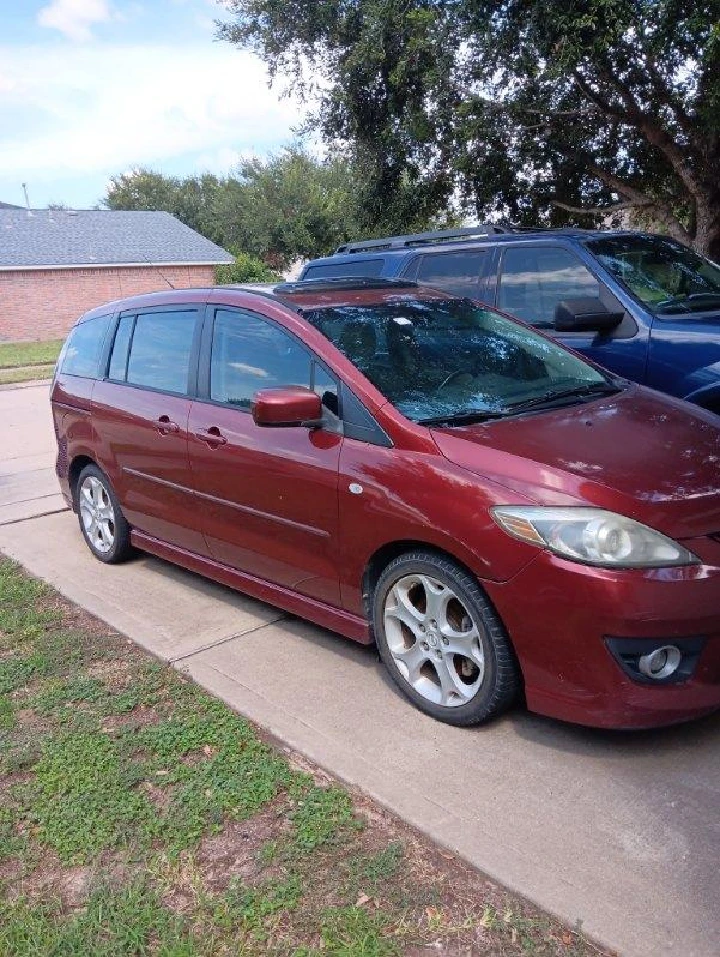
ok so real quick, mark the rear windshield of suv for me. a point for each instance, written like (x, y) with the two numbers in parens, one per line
(666, 276)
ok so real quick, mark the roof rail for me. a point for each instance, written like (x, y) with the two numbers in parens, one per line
(343, 282)
(420, 239)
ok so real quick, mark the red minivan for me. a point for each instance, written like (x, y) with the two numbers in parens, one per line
(500, 517)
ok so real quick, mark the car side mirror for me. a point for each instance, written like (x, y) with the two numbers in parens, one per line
(290, 406)
(588, 314)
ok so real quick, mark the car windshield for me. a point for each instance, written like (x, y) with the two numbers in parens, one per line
(444, 359)
(667, 276)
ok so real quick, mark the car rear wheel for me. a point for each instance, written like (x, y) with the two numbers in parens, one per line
(102, 522)
(442, 641)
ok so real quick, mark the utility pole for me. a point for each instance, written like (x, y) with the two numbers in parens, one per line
(27, 198)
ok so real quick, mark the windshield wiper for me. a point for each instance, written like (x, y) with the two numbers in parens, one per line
(696, 300)
(579, 392)
(463, 418)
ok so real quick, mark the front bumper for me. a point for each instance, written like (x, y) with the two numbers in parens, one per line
(560, 614)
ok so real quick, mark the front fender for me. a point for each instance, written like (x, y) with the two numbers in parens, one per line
(703, 387)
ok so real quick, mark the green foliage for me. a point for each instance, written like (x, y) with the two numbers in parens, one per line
(353, 932)
(288, 207)
(320, 816)
(16, 354)
(246, 268)
(514, 107)
(115, 923)
(85, 798)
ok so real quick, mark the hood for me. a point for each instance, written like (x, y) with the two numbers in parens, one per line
(650, 457)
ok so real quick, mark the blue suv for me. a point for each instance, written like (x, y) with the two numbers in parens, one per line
(643, 306)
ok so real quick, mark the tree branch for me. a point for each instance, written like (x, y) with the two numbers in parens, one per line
(637, 198)
(600, 210)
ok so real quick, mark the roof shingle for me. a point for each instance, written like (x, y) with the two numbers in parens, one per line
(100, 237)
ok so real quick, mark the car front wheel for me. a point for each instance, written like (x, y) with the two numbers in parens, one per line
(442, 641)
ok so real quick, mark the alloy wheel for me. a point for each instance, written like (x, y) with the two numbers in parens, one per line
(97, 514)
(434, 642)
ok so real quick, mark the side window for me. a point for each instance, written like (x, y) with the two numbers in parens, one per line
(121, 344)
(458, 272)
(161, 349)
(326, 387)
(81, 354)
(533, 279)
(345, 270)
(249, 354)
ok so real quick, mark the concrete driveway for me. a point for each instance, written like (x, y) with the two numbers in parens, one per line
(617, 832)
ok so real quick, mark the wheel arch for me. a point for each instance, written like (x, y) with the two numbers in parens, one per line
(74, 470)
(386, 553)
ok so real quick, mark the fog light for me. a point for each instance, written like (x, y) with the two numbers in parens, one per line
(660, 663)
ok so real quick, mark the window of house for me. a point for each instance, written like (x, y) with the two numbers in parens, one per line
(161, 350)
(534, 279)
(82, 351)
(249, 354)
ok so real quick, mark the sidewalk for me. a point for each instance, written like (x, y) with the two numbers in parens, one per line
(618, 832)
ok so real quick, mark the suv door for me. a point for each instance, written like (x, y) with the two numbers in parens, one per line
(268, 496)
(462, 272)
(533, 279)
(140, 412)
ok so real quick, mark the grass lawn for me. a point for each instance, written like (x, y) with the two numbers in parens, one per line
(22, 361)
(139, 815)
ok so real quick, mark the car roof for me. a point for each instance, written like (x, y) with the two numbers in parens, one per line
(401, 247)
(298, 296)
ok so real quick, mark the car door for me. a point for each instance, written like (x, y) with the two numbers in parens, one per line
(533, 279)
(463, 272)
(140, 412)
(268, 496)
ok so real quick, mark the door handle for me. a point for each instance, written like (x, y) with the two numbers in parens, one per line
(166, 426)
(212, 436)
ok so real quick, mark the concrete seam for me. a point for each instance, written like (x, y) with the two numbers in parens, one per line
(222, 641)
(29, 518)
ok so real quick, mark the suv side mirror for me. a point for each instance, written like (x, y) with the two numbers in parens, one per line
(291, 406)
(588, 314)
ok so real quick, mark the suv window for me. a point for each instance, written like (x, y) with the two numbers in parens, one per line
(345, 270)
(160, 350)
(534, 279)
(249, 354)
(458, 272)
(81, 354)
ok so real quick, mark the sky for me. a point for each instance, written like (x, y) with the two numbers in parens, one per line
(90, 89)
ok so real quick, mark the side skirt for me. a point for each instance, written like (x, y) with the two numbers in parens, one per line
(335, 619)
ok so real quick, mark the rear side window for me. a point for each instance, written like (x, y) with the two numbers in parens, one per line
(121, 345)
(83, 348)
(458, 272)
(534, 279)
(249, 354)
(161, 349)
(345, 270)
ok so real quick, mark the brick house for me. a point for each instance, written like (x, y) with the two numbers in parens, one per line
(57, 264)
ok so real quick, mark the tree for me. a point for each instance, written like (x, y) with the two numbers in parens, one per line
(546, 111)
(287, 207)
(246, 269)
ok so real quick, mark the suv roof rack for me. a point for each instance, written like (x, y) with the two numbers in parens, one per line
(420, 239)
(342, 282)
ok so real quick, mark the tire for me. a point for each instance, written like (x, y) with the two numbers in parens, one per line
(441, 640)
(102, 523)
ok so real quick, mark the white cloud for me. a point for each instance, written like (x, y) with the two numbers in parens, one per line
(110, 108)
(74, 18)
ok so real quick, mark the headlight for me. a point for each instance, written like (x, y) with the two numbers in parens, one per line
(592, 536)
